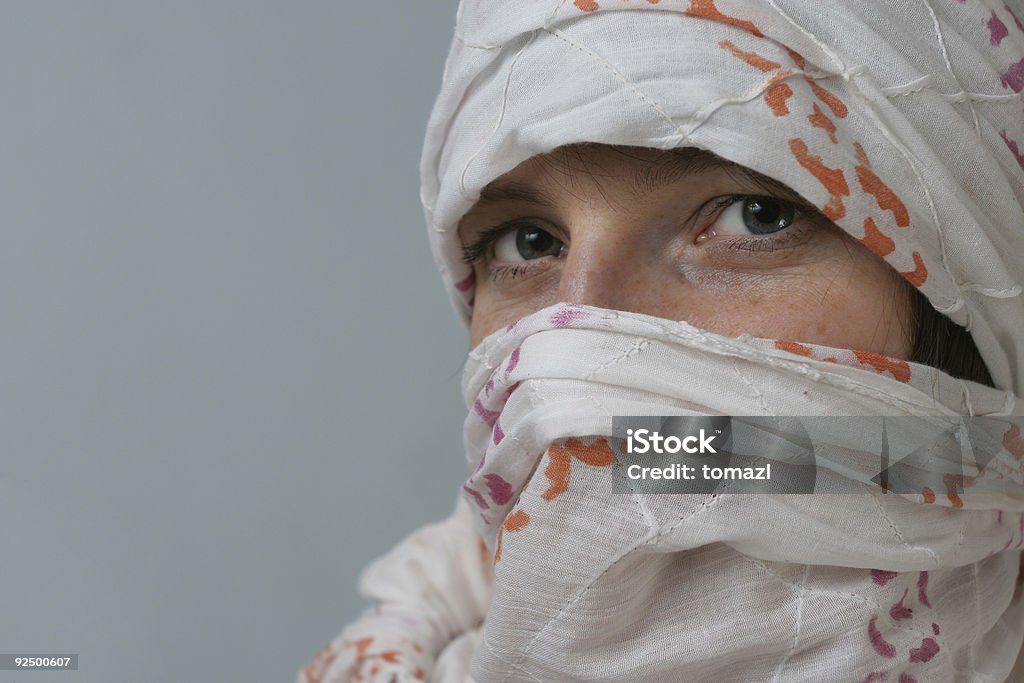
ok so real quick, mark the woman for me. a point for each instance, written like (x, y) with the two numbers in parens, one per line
(720, 207)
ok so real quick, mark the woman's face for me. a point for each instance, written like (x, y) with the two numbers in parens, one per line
(681, 235)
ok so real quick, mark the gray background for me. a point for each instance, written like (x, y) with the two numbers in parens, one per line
(230, 375)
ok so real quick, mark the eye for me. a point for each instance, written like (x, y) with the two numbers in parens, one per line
(526, 242)
(752, 215)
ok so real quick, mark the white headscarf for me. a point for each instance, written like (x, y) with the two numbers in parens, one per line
(907, 113)
(903, 120)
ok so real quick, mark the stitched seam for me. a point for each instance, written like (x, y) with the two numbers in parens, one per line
(501, 116)
(619, 76)
(583, 591)
(510, 665)
(836, 60)
(964, 96)
(926, 83)
(478, 46)
(554, 13)
(702, 115)
(1009, 405)
(914, 86)
(967, 397)
(898, 535)
(863, 599)
(796, 624)
(757, 393)
(949, 66)
(645, 512)
(683, 129)
(1006, 293)
(637, 347)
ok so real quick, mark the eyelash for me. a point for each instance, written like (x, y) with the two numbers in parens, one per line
(508, 272)
(473, 252)
(478, 249)
(803, 215)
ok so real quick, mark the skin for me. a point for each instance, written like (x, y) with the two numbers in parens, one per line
(672, 250)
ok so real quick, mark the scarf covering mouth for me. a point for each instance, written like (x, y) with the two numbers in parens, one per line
(594, 585)
(903, 120)
(573, 582)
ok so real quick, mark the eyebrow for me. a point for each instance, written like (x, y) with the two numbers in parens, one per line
(500, 191)
(677, 164)
(669, 167)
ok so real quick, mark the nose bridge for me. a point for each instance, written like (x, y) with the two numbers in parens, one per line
(611, 266)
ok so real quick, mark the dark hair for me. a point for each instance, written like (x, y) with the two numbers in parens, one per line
(942, 344)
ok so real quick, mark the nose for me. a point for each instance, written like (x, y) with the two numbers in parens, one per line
(620, 267)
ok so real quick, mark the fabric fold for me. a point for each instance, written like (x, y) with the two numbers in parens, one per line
(595, 585)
